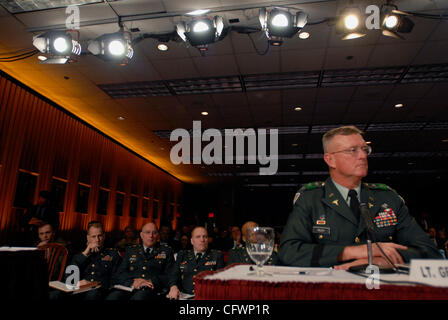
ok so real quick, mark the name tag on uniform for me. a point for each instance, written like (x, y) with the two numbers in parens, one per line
(210, 263)
(321, 230)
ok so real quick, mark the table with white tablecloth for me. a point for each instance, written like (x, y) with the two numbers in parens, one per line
(286, 283)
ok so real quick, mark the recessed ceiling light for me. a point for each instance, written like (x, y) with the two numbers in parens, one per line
(120, 118)
(204, 113)
(304, 35)
(298, 108)
(294, 144)
(399, 105)
(445, 140)
(198, 12)
(368, 142)
(162, 47)
(42, 58)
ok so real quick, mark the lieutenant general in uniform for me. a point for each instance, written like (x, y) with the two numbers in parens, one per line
(191, 262)
(325, 228)
(147, 268)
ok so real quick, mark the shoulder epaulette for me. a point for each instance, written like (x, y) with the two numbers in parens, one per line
(312, 185)
(378, 186)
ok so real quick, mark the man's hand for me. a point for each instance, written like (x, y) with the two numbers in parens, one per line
(174, 293)
(360, 252)
(42, 243)
(90, 249)
(140, 283)
(82, 283)
(379, 261)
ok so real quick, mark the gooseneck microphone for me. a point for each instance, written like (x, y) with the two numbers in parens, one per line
(365, 214)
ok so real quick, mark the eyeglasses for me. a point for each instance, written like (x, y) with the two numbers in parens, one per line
(354, 151)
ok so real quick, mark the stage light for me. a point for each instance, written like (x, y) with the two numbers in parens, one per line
(162, 47)
(201, 32)
(394, 22)
(304, 35)
(113, 47)
(59, 45)
(279, 24)
(350, 24)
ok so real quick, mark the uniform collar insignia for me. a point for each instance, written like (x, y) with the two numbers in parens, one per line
(336, 202)
(370, 205)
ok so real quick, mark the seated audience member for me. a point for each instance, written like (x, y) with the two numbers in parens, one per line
(95, 263)
(129, 239)
(147, 268)
(190, 262)
(165, 236)
(184, 243)
(47, 234)
(236, 237)
(240, 255)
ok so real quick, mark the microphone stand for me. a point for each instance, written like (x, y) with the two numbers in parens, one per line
(371, 237)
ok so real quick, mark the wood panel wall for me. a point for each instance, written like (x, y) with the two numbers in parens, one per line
(42, 139)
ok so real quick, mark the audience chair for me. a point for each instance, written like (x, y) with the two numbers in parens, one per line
(56, 257)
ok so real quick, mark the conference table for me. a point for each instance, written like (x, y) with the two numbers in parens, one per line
(291, 283)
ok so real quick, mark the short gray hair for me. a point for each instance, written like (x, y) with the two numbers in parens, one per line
(344, 130)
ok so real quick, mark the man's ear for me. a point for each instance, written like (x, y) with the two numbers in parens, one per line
(329, 160)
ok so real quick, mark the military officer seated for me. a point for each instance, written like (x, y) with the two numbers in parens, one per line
(146, 269)
(239, 254)
(325, 227)
(191, 262)
(95, 263)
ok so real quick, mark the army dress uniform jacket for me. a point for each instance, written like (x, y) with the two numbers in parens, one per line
(187, 267)
(98, 266)
(240, 255)
(157, 266)
(321, 224)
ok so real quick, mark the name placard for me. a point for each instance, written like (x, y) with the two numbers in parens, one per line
(434, 272)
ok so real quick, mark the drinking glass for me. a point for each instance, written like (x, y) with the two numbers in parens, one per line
(259, 246)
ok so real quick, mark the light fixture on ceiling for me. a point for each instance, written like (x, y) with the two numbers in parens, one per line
(162, 47)
(202, 31)
(350, 24)
(298, 108)
(59, 45)
(399, 105)
(204, 113)
(279, 23)
(120, 118)
(394, 22)
(115, 47)
(304, 35)
(198, 12)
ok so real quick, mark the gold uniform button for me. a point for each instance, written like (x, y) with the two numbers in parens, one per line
(321, 236)
(144, 268)
(143, 275)
(195, 270)
(131, 268)
(357, 240)
(390, 238)
(92, 272)
(91, 280)
(93, 266)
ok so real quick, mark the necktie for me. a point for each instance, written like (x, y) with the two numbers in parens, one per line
(148, 251)
(198, 257)
(354, 203)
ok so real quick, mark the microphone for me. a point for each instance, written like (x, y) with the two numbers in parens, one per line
(365, 213)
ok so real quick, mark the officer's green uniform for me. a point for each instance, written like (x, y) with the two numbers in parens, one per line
(240, 255)
(322, 224)
(97, 266)
(187, 267)
(157, 266)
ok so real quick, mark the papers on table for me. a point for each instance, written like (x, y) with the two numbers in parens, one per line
(13, 249)
(120, 287)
